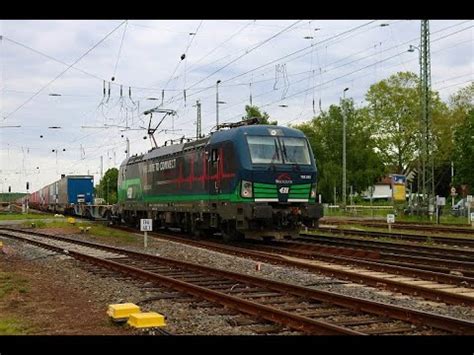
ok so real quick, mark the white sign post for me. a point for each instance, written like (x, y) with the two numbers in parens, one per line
(440, 201)
(453, 193)
(472, 219)
(469, 201)
(146, 225)
(390, 220)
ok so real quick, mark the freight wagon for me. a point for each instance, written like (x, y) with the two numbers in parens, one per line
(63, 195)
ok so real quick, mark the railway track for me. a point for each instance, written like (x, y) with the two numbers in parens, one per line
(300, 308)
(314, 250)
(461, 242)
(453, 255)
(438, 285)
(430, 227)
(426, 258)
(433, 285)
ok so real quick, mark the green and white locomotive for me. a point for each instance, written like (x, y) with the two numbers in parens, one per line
(247, 181)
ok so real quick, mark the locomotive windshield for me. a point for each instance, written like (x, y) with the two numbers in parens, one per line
(295, 151)
(264, 150)
(278, 150)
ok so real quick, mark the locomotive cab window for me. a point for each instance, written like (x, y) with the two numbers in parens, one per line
(264, 150)
(295, 150)
(278, 150)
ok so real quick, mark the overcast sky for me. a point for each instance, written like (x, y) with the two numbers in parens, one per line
(52, 75)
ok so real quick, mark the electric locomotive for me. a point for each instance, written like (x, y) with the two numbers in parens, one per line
(244, 180)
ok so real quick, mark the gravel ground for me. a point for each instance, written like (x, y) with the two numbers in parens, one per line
(183, 319)
(194, 316)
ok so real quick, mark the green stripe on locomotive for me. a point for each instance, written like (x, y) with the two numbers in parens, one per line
(136, 194)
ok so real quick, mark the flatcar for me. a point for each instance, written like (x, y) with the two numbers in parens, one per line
(244, 180)
(64, 194)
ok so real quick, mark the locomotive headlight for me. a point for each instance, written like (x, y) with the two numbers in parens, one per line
(246, 190)
(313, 191)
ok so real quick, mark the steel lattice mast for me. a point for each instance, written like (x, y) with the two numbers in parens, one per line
(426, 121)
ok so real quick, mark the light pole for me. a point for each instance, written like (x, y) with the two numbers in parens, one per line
(217, 102)
(107, 189)
(344, 148)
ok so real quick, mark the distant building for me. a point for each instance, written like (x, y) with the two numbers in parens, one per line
(382, 190)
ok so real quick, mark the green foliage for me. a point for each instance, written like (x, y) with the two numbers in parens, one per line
(254, 111)
(17, 216)
(12, 326)
(464, 151)
(394, 115)
(324, 133)
(95, 229)
(107, 188)
(10, 282)
(35, 224)
(11, 197)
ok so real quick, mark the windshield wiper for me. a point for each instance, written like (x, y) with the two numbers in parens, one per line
(276, 155)
(295, 164)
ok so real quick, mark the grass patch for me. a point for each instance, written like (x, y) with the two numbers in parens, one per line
(103, 231)
(10, 282)
(429, 241)
(95, 229)
(17, 216)
(50, 224)
(445, 218)
(10, 326)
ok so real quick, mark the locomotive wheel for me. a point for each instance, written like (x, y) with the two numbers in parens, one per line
(230, 232)
(196, 230)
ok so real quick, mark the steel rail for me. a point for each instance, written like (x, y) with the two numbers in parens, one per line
(457, 229)
(293, 321)
(447, 253)
(400, 236)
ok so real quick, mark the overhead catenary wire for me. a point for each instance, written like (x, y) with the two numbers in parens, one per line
(280, 58)
(384, 60)
(321, 84)
(63, 72)
(183, 56)
(334, 79)
(120, 50)
(246, 83)
(246, 53)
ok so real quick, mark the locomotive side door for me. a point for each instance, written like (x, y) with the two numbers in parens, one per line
(213, 162)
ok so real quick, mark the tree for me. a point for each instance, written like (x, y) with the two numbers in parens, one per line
(395, 117)
(107, 187)
(324, 132)
(254, 111)
(464, 152)
(451, 132)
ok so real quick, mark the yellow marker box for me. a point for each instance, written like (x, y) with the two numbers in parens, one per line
(71, 220)
(146, 320)
(122, 310)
